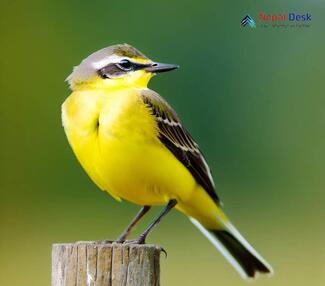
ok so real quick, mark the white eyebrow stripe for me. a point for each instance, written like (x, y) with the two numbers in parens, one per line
(108, 60)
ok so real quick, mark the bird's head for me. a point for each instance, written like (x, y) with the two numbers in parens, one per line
(116, 66)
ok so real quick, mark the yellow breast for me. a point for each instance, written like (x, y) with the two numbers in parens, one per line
(107, 131)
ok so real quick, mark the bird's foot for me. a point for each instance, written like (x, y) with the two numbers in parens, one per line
(142, 240)
(139, 240)
(95, 242)
(120, 240)
(106, 241)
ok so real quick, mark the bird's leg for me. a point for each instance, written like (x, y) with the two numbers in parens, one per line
(143, 236)
(135, 220)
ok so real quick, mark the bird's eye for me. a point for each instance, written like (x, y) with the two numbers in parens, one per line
(125, 65)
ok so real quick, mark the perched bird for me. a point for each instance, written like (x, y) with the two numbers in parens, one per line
(133, 145)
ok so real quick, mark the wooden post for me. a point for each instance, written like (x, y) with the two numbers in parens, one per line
(109, 264)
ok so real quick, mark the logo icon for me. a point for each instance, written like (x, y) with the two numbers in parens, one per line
(248, 21)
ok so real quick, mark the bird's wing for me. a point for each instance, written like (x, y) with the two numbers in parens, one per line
(179, 141)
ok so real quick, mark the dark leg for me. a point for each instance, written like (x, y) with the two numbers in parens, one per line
(136, 219)
(143, 236)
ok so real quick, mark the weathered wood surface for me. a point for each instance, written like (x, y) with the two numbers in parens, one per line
(109, 264)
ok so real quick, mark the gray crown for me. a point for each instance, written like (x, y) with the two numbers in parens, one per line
(86, 69)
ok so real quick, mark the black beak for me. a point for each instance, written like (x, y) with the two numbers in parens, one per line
(159, 67)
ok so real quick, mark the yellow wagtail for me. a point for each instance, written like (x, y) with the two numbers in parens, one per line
(133, 145)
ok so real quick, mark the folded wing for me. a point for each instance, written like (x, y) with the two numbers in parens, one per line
(179, 141)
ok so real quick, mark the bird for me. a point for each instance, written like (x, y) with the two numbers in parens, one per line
(133, 145)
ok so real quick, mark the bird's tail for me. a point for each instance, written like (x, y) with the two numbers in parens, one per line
(241, 255)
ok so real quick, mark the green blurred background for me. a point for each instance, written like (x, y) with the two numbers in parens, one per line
(253, 98)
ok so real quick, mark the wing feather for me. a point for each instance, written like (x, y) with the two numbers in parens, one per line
(179, 141)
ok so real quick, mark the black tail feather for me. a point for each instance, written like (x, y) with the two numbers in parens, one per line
(244, 257)
(234, 247)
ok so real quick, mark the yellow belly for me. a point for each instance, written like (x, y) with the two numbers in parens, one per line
(145, 174)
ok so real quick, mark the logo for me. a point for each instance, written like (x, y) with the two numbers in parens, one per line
(248, 21)
(284, 17)
(278, 20)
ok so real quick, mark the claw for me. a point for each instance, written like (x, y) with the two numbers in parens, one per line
(164, 251)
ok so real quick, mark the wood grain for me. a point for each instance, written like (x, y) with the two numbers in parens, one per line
(109, 264)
